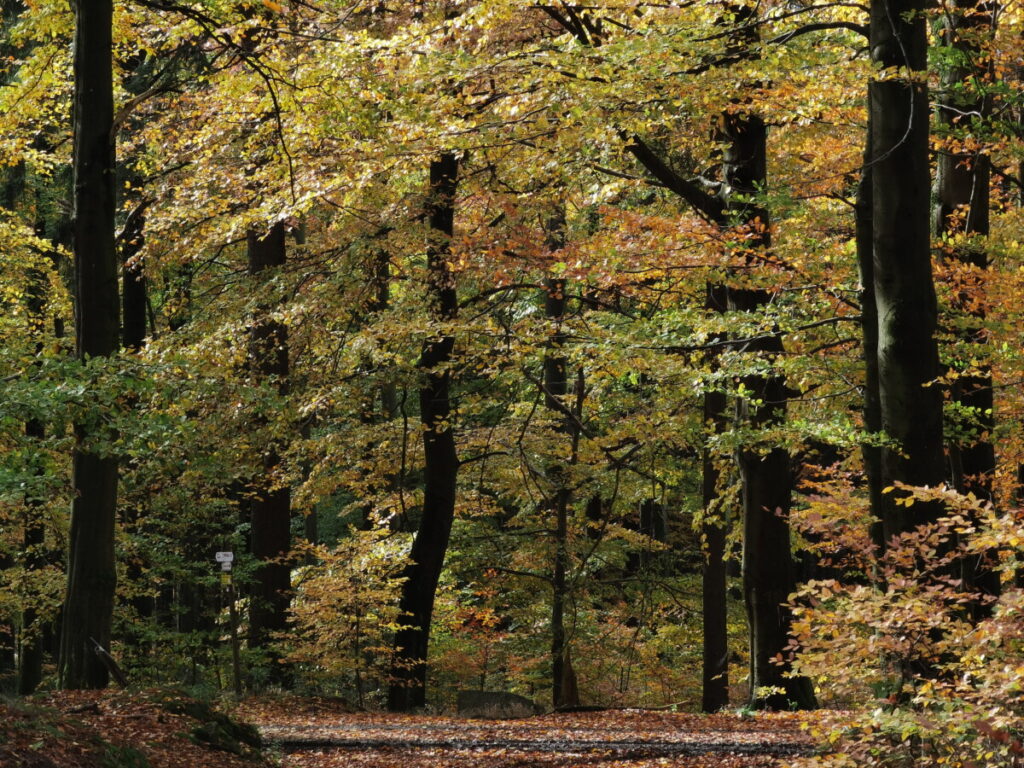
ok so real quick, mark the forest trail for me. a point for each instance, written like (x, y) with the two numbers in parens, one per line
(322, 738)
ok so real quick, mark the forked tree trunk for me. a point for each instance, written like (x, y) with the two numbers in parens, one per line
(89, 603)
(441, 464)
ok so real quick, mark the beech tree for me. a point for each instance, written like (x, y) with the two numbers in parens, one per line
(908, 360)
(271, 500)
(441, 463)
(723, 228)
(89, 604)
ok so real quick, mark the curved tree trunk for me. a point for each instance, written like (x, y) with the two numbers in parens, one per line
(409, 669)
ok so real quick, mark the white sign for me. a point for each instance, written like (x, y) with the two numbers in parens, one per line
(224, 557)
(225, 565)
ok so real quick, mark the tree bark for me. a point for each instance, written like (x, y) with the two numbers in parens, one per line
(871, 453)
(769, 576)
(441, 465)
(564, 688)
(92, 578)
(133, 283)
(271, 504)
(908, 358)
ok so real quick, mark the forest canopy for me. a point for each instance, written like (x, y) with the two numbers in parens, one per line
(612, 354)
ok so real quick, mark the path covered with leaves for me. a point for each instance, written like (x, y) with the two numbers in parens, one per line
(168, 729)
(321, 735)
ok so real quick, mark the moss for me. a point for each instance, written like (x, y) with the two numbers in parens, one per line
(215, 729)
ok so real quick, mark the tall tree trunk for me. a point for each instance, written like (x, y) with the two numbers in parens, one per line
(441, 464)
(715, 676)
(271, 503)
(564, 689)
(133, 338)
(89, 603)
(908, 358)
(769, 575)
(30, 667)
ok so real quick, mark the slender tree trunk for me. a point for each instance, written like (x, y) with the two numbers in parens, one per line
(271, 504)
(715, 677)
(409, 670)
(564, 688)
(908, 358)
(30, 667)
(133, 338)
(769, 575)
(89, 603)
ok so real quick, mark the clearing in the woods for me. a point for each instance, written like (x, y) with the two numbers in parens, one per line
(157, 730)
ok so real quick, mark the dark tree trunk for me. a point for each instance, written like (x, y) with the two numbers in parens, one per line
(564, 688)
(908, 358)
(962, 191)
(30, 668)
(715, 677)
(769, 575)
(271, 503)
(133, 337)
(92, 578)
(409, 671)
(768, 572)
(133, 283)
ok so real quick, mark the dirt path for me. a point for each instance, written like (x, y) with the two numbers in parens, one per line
(319, 738)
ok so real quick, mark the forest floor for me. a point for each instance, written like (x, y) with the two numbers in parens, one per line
(323, 734)
(166, 729)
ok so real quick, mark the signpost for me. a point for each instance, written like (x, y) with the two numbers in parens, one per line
(226, 560)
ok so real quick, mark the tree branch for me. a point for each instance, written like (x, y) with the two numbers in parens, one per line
(708, 206)
(860, 29)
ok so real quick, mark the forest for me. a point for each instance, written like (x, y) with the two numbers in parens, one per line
(611, 354)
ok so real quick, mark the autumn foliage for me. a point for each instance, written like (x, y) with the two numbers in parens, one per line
(545, 308)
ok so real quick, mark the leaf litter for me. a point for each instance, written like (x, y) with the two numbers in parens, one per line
(327, 735)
